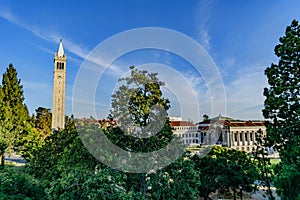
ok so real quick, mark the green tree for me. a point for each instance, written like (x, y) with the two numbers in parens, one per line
(61, 151)
(225, 169)
(68, 171)
(79, 183)
(179, 180)
(14, 116)
(42, 121)
(139, 103)
(34, 136)
(265, 172)
(287, 181)
(31, 142)
(239, 172)
(209, 171)
(282, 103)
(205, 117)
(16, 183)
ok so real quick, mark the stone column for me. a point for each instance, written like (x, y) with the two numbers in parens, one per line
(243, 138)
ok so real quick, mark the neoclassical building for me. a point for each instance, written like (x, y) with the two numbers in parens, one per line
(186, 130)
(236, 134)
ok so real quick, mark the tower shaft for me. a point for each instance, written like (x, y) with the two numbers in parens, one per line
(59, 89)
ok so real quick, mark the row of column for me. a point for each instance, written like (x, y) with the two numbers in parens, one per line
(242, 137)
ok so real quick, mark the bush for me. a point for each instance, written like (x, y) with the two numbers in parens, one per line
(15, 184)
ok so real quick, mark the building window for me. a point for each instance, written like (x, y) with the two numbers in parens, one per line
(251, 136)
(235, 137)
(246, 136)
(241, 136)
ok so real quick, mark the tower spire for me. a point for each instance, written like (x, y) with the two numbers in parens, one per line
(60, 52)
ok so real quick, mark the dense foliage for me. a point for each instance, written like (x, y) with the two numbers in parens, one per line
(60, 166)
(14, 115)
(16, 184)
(282, 106)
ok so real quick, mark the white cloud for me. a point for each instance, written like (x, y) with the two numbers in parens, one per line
(205, 38)
(35, 85)
(245, 95)
(202, 19)
(71, 46)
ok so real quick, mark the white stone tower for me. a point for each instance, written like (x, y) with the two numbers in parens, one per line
(59, 89)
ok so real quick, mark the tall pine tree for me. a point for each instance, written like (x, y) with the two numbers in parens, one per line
(282, 106)
(14, 116)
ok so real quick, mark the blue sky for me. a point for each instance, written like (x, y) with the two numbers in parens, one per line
(239, 36)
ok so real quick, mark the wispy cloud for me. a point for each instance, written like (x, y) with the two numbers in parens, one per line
(249, 113)
(35, 85)
(71, 46)
(205, 39)
(245, 94)
(202, 23)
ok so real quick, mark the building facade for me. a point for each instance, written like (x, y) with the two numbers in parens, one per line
(236, 134)
(59, 89)
(187, 131)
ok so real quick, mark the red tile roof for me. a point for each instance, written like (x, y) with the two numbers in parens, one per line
(244, 123)
(231, 123)
(181, 123)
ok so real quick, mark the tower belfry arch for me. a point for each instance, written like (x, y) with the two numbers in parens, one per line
(59, 88)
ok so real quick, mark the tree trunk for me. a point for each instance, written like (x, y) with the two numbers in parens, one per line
(2, 160)
(143, 185)
(266, 173)
(241, 194)
(234, 194)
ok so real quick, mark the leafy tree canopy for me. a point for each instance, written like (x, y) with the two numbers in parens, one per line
(282, 106)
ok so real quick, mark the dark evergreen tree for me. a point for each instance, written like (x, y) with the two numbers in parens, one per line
(14, 116)
(3, 142)
(282, 105)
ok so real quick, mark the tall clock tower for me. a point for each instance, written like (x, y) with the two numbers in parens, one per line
(59, 89)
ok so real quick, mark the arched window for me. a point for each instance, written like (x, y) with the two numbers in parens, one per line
(62, 66)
